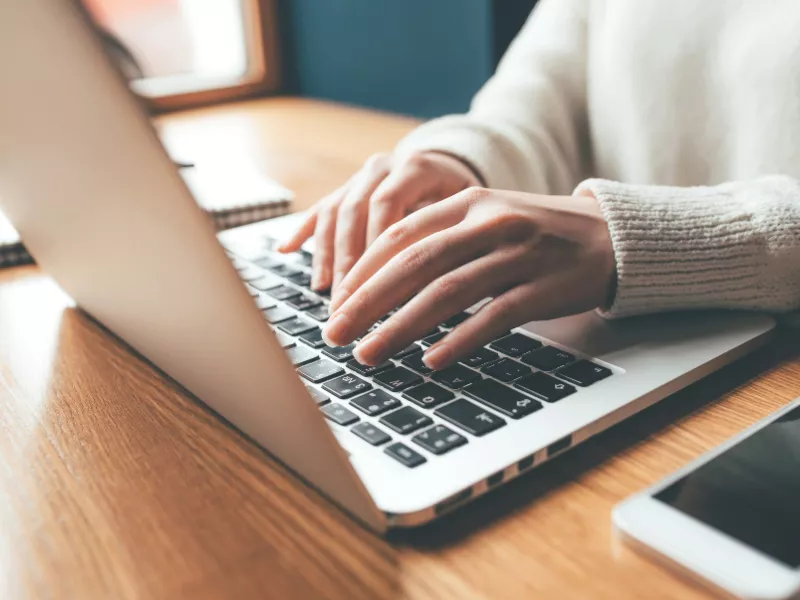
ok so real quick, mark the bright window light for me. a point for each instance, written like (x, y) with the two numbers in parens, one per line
(180, 45)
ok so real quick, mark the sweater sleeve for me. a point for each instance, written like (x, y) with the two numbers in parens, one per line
(527, 127)
(735, 245)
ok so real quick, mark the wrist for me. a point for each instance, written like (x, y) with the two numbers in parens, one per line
(592, 205)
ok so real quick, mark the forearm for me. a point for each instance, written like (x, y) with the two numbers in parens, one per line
(736, 245)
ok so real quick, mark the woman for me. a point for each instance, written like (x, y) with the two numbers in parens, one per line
(629, 156)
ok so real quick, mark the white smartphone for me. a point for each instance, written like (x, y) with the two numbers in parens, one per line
(732, 517)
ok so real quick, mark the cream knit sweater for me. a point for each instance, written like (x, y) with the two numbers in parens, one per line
(684, 115)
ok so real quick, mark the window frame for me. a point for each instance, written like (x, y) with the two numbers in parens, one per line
(164, 94)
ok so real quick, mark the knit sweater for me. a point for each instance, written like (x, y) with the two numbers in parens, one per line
(683, 119)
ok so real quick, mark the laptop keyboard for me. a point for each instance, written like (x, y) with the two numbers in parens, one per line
(414, 413)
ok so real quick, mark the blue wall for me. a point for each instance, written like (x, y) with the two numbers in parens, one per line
(419, 57)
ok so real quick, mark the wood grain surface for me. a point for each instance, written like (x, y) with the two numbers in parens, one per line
(114, 483)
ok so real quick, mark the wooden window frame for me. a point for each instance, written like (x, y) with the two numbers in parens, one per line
(262, 76)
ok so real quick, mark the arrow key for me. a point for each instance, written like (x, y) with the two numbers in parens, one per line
(502, 398)
(470, 417)
(439, 439)
(584, 373)
(545, 387)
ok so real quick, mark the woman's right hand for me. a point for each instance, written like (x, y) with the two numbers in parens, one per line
(382, 192)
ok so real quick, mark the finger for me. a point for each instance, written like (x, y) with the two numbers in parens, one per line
(398, 238)
(305, 231)
(324, 232)
(404, 275)
(404, 187)
(351, 225)
(515, 307)
(452, 293)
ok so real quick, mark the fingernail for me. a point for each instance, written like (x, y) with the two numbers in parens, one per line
(336, 330)
(437, 356)
(370, 350)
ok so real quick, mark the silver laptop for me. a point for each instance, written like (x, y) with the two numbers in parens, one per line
(104, 211)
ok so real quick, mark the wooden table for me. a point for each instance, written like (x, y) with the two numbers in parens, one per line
(114, 484)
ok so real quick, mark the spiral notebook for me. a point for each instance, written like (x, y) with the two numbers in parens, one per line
(231, 197)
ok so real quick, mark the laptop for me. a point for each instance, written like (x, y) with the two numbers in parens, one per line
(104, 211)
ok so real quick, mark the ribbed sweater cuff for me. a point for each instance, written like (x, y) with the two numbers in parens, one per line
(460, 137)
(678, 248)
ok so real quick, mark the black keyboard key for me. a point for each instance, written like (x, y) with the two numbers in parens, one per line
(397, 379)
(470, 417)
(320, 398)
(282, 292)
(405, 455)
(300, 355)
(284, 270)
(346, 386)
(375, 402)
(439, 439)
(411, 349)
(341, 415)
(515, 344)
(371, 434)
(313, 338)
(433, 331)
(506, 370)
(320, 370)
(303, 302)
(277, 314)
(428, 395)
(584, 373)
(501, 398)
(548, 358)
(480, 357)
(414, 362)
(385, 317)
(456, 320)
(545, 387)
(369, 371)
(406, 420)
(370, 330)
(296, 326)
(339, 353)
(456, 376)
(320, 313)
(432, 339)
(301, 280)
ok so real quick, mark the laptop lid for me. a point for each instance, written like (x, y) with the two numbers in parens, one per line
(101, 207)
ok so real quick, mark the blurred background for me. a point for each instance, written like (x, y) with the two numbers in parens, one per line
(425, 57)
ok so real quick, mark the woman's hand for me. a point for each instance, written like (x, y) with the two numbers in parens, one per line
(538, 257)
(385, 190)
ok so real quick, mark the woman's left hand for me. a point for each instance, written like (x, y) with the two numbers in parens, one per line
(538, 257)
